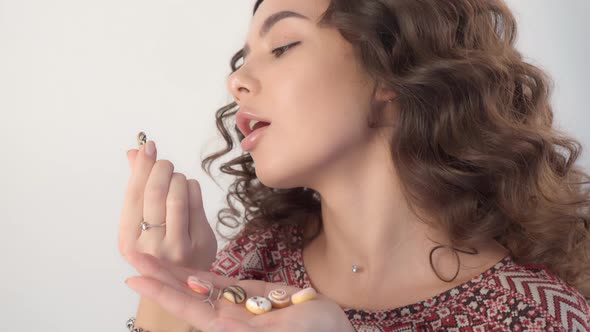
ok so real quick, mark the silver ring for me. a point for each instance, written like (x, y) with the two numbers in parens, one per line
(211, 303)
(208, 299)
(145, 226)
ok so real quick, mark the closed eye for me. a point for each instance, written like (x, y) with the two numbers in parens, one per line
(283, 49)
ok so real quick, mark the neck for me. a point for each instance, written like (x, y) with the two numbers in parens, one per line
(378, 252)
(396, 280)
(366, 221)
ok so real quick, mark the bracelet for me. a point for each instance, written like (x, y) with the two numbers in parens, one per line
(131, 326)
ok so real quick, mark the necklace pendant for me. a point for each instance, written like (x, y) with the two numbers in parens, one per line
(355, 268)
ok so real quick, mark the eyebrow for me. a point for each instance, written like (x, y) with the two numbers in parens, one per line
(270, 22)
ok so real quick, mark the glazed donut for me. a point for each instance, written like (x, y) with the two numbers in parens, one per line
(234, 294)
(303, 295)
(258, 305)
(279, 298)
(141, 138)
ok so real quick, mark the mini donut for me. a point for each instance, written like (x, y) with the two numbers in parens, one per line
(258, 305)
(303, 295)
(200, 286)
(279, 298)
(141, 138)
(234, 294)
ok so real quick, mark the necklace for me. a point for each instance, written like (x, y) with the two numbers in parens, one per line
(356, 268)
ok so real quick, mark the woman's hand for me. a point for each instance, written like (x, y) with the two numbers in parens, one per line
(157, 194)
(165, 284)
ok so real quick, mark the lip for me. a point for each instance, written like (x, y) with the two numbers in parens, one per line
(250, 141)
(243, 118)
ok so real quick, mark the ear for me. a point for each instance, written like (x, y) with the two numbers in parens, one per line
(384, 93)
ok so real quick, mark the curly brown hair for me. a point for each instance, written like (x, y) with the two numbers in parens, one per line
(476, 123)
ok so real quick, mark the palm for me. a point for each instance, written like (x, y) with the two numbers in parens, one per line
(164, 283)
(307, 316)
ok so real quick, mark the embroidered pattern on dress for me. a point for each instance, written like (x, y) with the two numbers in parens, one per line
(506, 297)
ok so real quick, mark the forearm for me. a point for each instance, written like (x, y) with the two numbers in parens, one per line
(151, 317)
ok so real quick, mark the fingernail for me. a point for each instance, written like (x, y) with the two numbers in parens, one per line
(150, 148)
(199, 286)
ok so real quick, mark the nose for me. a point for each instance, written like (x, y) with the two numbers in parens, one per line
(241, 86)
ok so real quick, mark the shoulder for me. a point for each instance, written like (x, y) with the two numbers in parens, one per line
(251, 256)
(522, 297)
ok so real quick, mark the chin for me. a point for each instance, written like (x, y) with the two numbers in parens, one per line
(278, 177)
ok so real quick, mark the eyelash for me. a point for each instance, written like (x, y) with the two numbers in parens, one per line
(284, 48)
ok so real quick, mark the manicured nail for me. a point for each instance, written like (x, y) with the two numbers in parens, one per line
(199, 286)
(150, 148)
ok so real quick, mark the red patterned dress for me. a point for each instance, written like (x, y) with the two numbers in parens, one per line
(506, 297)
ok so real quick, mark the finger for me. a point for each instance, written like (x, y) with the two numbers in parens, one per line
(187, 307)
(131, 156)
(199, 228)
(132, 212)
(177, 212)
(175, 276)
(155, 195)
(297, 314)
(251, 287)
(150, 266)
(172, 275)
(234, 325)
(232, 317)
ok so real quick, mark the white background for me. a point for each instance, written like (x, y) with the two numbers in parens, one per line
(79, 79)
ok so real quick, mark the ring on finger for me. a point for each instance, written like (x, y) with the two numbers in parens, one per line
(146, 226)
(211, 303)
(208, 299)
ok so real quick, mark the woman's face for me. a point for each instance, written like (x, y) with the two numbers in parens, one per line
(315, 95)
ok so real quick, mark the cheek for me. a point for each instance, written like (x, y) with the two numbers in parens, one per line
(326, 112)
(318, 93)
(296, 153)
(319, 121)
(316, 134)
(319, 117)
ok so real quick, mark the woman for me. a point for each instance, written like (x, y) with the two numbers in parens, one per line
(408, 171)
